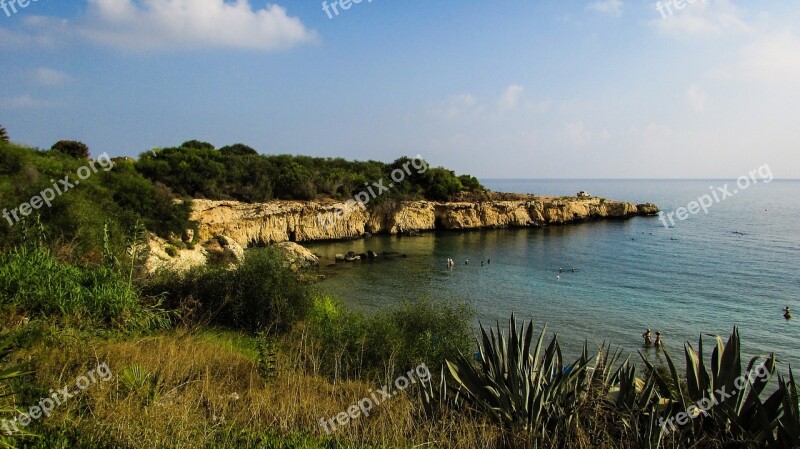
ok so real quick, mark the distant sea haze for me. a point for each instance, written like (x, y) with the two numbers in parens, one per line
(736, 265)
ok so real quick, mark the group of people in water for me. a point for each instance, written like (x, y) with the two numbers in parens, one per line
(561, 270)
(451, 263)
(648, 339)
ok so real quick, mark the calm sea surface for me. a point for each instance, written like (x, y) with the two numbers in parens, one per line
(736, 266)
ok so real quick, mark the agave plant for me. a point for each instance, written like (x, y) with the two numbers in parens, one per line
(636, 404)
(725, 401)
(789, 424)
(534, 391)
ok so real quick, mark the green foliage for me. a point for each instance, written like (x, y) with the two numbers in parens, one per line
(352, 345)
(521, 389)
(738, 410)
(136, 381)
(197, 145)
(259, 293)
(238, 149)
(33, 281)
(3, 134)
(238, 172)
(72, 148)
(119, 197)
(267, 356)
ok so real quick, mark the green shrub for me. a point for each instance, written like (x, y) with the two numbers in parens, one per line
(32, 280)
(261, 293)
(352, 345)
(72, 148)
(119, 198)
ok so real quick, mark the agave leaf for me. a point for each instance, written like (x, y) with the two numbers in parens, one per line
(693, 376)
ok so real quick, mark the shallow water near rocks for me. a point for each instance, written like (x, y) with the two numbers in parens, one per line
(736, 265)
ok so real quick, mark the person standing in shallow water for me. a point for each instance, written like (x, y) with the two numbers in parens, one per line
(648, 337)
(659, 342)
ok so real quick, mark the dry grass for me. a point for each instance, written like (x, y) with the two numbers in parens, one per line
(205, 390)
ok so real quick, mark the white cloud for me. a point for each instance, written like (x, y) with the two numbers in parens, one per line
(50, 77)
(774, 59)
(612, 7)
(152, 25)
(697, 98)
(460, 106)
(577, 134)
(706, 17)
(510, 98)
(168, 24)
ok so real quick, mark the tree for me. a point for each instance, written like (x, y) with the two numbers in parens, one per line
(238, 149)
(198, 145)
(72, 148)
(3, 134)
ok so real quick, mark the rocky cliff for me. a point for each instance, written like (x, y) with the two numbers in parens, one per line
(298, 221)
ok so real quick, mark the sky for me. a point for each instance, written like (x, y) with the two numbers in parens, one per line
(494, 88)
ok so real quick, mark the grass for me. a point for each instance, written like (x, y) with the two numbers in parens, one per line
(213, 396)
(32, 279)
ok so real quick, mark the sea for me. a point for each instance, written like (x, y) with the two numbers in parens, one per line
(738, 265)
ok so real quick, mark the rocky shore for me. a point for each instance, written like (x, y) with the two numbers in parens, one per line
(301, 221)
(242, 225)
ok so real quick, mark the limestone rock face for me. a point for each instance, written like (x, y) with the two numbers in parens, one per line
(298, 221)
(157, 258)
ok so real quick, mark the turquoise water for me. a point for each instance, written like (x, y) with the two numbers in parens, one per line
(736, 265)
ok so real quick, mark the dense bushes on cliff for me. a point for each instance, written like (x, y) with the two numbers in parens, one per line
(238, 172)
(114, 197)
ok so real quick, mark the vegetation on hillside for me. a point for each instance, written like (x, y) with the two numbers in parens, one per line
(238, 172)
(253, 356)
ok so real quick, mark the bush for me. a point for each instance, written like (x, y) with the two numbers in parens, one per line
(351, 345)
(120, 198)
(72, 148)
(261, 293)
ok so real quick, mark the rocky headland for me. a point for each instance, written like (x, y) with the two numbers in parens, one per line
(246, 225)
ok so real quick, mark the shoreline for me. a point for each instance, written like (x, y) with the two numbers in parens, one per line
(260, 224)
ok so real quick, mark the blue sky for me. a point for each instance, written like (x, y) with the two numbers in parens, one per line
(498, 89)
